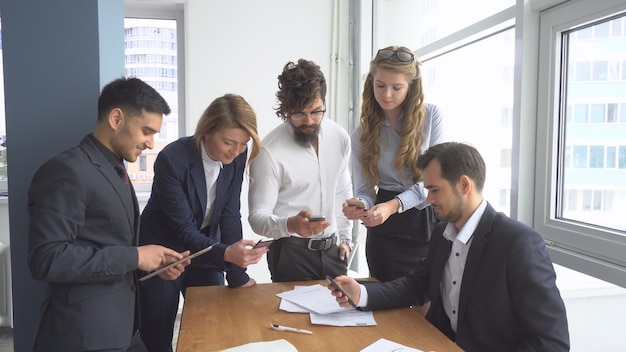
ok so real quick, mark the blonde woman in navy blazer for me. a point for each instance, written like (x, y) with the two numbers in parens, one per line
(183, 212)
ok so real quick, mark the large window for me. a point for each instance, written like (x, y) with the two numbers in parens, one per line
(581, 180)
(467, 71)
(154, 53)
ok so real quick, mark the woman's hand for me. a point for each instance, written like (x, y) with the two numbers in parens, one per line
(380, 212)
(242, 254)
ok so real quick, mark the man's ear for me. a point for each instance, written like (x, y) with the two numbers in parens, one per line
(116, 119)
(466, 184)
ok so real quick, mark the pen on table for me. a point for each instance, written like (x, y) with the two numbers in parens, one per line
(286, 328)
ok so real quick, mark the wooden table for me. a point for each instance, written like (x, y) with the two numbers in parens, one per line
(218, 317)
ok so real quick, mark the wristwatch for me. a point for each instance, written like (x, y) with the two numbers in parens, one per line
(400, 206)
(349, 243)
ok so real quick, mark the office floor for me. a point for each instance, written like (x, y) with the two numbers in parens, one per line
(6, 339)
(6, 334)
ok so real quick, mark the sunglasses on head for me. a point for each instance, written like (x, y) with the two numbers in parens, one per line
(400, 55)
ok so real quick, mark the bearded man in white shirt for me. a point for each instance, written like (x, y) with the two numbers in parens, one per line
(302, 170)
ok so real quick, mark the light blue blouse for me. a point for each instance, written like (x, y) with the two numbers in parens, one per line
(412, 194)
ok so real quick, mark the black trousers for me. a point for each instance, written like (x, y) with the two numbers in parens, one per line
(393, 248)
(159, 304)
(293, 262)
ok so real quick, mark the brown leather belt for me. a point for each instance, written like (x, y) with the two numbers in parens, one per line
(312, 244)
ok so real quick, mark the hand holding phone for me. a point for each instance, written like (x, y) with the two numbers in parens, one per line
(264, 242)
(317, 218)
(358, 203)
(343, 293)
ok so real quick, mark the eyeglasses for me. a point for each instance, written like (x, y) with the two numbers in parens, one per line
(400, 55)
(300, 115)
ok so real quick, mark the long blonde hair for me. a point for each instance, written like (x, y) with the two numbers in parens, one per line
(372, 118)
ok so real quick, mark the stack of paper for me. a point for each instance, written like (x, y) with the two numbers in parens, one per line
(322, 307)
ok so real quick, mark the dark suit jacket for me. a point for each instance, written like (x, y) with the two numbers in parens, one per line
(177, 206)
(81, 243)
(508, 300)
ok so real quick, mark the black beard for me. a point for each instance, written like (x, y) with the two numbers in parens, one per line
(306, 138)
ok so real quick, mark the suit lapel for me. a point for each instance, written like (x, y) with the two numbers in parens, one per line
(196, 174)
(104, 167)
(474, 256)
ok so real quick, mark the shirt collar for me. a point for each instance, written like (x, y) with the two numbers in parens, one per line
(207, 159)
(108, 154)
(466, 232)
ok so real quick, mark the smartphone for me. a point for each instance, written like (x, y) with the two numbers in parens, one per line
(264, 242)
(358, 203)
(336, 285)
(317, 218)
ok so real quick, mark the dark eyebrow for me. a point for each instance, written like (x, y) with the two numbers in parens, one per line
(150, 129)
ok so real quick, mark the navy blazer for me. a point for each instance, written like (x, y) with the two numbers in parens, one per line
(81, 242)
(176, 208)
(508, 300)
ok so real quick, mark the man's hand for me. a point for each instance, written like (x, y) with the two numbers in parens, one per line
(174, 272)
(344, 251)
(242, 254)
(350, 287)
(301, 225)
(153, 256)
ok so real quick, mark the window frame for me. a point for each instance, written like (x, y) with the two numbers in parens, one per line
(164, 11)
(593, 250)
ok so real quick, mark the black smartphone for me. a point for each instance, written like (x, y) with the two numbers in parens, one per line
(336, 285)
(317, 218)
(264, 242)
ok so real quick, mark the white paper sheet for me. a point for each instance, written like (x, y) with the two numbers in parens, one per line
(348, 318)
(384, 345)
(281, 345)
(316, 298)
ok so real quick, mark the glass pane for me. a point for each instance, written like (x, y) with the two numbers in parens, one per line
(598, 145)
(417, 23)
(472, 102)
(151, 54)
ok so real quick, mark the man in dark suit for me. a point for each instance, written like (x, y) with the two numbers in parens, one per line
(83, 228)
(490, 279)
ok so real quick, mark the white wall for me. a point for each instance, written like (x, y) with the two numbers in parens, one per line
(241, 46)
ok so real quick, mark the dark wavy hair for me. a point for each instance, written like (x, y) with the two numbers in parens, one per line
(299, 85)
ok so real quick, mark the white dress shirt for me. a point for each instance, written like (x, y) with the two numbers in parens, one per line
(212, 170)
(453, 272)
(286, 178)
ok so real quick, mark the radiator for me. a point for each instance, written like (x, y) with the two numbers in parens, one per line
(6, 299)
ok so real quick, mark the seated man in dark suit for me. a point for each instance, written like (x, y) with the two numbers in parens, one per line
(490, 279)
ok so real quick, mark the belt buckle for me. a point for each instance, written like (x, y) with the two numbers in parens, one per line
(321, 244)
(309, 245)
